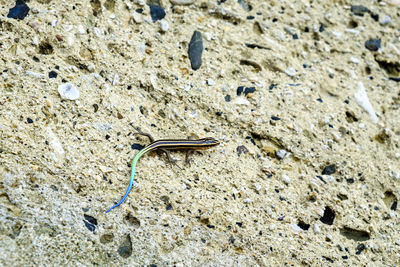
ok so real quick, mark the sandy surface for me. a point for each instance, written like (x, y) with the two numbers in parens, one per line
(309, 165)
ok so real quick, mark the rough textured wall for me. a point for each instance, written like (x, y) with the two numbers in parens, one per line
(304, 96)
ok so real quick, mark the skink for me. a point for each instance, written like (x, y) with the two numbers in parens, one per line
(165, 145)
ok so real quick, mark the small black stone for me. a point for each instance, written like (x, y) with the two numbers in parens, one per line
(373, 44)
(125, 250)
(328, 217)
(321, 28)
(228, 98)
(394, 205)
(195, 50)
(168, 207)
(272, 86)
(53, 74)
(250, 17)
(275, 118)
(295, 36)
(107, 137)
(137, 147)
(89, 226)
(242, 149)
(328, 170)
(239, 90)
(240, 224)
(375, 16)
(90, 219)
(35, 59)
(249, 90)
(359, 10)
(360, 248)
(139, 10)
(320, 100)
(29, 120)
(19, 11)
(303, 225)
(157, 13)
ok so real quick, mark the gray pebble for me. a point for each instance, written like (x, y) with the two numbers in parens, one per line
(195, 50)
(182, 2)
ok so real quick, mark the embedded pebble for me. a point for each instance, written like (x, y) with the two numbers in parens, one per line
(195, 50)
(363, 100)
(373, 44)
(68, 91)
(157, 13)
(285, 179)
(19, 11)
(385, 20)
(210, 82)
(164, 25)
(280, 154)
(34, 74)
(290, 72)
(182, 2)
(137, 17)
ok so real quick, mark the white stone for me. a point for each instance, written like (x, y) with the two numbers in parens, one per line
(385, 20)
(210, 82)
(290, 71)
(137, 17)
(34, 74)
(354, 60)
(241, 101)
(68, 91)
(81, 29)
(285, 179)
(164, 25)
(363, 100)
(296, 228)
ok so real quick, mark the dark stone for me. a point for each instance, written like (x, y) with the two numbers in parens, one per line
(321, 28)
(328, 217)
(195, 50)
(89, 226)
(394, 205)
(303, 225)
(19, 11)
(228, 98)
(375, 16)
(242, 149)
(137, 147)
(157, 13)
(249, 90)
(275, 118)
(53, 74)
(359, 10)
(239, 90)
(29, 120)
(360, 248)
(256, 46)
(328, 170)
(125, 250)
(90, 219)
(295, 36)
(373, 44)
(250, 17)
